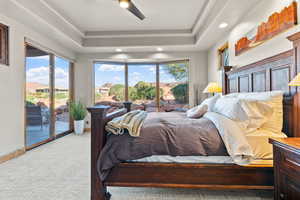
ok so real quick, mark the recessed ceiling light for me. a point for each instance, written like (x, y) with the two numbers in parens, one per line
(119, 50)
(223, 25)
(159, 49)
(124, 3)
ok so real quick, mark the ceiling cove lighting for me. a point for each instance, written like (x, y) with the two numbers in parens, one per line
(223, 25)
(124, 3)
(119, 50)
(159, 49)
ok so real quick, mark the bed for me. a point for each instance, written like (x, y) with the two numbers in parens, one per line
(270, 74)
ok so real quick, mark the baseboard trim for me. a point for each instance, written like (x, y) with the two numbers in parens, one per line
(12, 155)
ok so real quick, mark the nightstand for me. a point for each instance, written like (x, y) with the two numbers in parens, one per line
(286, 168)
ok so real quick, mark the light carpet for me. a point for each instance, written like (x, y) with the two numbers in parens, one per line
(60, 170)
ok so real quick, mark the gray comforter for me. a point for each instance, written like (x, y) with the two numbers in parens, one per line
(163, 134)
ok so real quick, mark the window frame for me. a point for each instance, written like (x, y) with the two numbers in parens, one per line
(157, 76)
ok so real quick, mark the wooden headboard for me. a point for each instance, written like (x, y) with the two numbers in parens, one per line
(270, 74)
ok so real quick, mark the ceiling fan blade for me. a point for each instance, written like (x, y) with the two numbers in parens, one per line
(134, 10)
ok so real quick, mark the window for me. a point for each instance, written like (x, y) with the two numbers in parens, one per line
(150, 86)
(109, 84)
(142, 85)
(223, 56)
(173, 83)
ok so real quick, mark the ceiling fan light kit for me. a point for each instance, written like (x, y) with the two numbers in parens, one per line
(124, 3)
(129, 5)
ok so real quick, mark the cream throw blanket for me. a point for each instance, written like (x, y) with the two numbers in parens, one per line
(131, 121)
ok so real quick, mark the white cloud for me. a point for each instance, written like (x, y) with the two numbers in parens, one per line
(135, 77)
(109, 67)
(38, 75)
(152, 69)
(61, 78)
(41, 75)
(148, 66)
(117, 78)
(136, 73)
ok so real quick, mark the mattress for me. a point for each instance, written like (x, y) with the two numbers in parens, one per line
(258, 140)
(199, 160)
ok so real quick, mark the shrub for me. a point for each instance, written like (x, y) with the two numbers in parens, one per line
(77, 111)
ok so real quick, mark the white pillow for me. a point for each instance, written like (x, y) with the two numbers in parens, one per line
(249, 114)
(197, 111)
(210, 102)
(230, 108)
(258, 113)
(259, 142)
(274, 100)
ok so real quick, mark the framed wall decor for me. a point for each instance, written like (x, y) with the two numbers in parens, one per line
(223, 53)
(277, 23)
(4, 44)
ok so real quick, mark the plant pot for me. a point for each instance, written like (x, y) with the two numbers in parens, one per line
(79, 127)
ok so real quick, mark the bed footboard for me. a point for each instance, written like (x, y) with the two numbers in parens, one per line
(99, 118)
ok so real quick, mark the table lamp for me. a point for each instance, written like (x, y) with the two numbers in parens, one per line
(295, 81)
(212, 88)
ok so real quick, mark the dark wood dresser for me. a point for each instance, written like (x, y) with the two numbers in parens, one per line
(286, 168)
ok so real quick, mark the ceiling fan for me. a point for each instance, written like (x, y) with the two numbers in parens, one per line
(129, 5)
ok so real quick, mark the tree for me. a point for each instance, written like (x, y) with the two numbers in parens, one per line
(177, 70)
(180, 73)
(132, 93)
(146, 91)
(118, 92)
(180, 92)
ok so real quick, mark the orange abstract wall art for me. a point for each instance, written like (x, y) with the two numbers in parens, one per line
(276, 24)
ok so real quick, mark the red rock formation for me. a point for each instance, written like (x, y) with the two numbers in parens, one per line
(276, 23)
(242, 44)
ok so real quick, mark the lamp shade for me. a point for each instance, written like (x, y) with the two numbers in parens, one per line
(295, 81)
(212, 87)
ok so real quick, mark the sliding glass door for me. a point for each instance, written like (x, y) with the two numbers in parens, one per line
(61, 95)
(37, 104)
(48, 93)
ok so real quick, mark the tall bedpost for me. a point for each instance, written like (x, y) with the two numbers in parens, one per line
(127, 105)
(295, 39)
(98, 120)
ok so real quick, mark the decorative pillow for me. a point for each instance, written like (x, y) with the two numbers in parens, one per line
(197, 111)
(210, 102)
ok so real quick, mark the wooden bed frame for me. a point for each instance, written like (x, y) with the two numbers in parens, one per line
(272, 73)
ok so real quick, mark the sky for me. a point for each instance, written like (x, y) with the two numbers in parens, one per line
(114, 73)
(37, 71)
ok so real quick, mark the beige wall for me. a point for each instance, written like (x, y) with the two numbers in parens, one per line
(84, 82)
(272, 47)
(12, 82)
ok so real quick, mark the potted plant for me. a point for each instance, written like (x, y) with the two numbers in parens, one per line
(78, 112)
